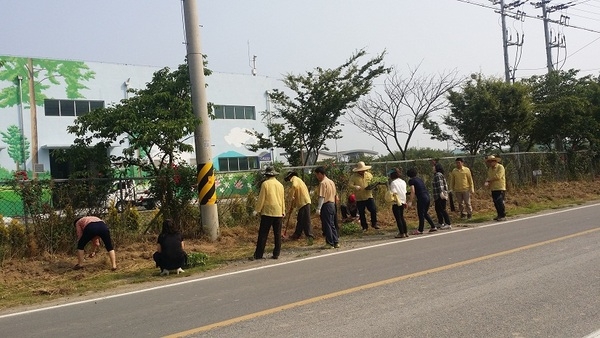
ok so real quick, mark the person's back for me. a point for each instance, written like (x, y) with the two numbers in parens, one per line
(300, 193)
(171, 247)
(270, 200)
(170, 254)
(421, 192)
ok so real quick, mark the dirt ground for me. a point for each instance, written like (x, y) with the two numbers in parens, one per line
(40, 279)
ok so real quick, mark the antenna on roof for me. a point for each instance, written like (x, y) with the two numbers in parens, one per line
(251, 61)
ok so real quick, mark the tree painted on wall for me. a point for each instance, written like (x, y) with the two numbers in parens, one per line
(17, 145)
(37, 75)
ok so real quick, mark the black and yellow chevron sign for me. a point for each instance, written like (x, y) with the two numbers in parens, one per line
(206, 184)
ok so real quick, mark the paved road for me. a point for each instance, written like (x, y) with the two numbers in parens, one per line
(536, 276)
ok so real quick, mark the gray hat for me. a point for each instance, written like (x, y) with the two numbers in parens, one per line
(290, 174)
(269, 171)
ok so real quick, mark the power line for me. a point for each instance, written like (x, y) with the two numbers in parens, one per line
(529, 16)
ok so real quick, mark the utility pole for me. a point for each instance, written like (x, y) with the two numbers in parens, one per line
(507, 41)
(504, 41)
(547, 36)
(207, 195)
(557, 42)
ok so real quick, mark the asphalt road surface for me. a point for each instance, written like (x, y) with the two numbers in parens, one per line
(532, 276)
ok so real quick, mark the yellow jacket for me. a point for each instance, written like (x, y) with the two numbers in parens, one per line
(461, 180)
(496, 177)
(270, 200)
(362, 181)
(299, 195)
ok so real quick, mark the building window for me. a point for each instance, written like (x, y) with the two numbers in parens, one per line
(238, 163)
(70, 107)
(235, 112)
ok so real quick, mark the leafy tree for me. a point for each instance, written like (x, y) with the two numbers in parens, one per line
(33, 73)
(157, 118)
(566, 109)
(301, 124)
(17, 145)
(392, 117)
(487, 114)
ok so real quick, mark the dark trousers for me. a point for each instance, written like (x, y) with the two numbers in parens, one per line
(170, 263)
(99, 229)
(347, 212)
(498, 198)
(422, 213)
(328, 223)
(369, 205)
(266, 223)
(398, 211)
(440, 211)
(303, 222)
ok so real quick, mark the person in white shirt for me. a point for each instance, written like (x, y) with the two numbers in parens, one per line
(398, 190)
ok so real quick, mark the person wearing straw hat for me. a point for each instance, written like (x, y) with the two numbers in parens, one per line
(300, 198)
(271, 207)
(359, 181)
(496, 181)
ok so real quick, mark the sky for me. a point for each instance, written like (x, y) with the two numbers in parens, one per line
(297, 36)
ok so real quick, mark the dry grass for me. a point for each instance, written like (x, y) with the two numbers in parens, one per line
(36, 280)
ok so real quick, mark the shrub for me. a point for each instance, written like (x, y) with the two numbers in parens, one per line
(196, 259)
(350, 229)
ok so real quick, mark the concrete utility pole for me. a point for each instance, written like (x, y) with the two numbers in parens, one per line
(547, 37)
(207, 195)
(505, 42)
(557, 42)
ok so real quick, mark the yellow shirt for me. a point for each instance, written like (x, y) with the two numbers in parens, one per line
(270, 200)
(299, 193)
(496, 177)
(327, 190)
(461, 180)
(361, 181)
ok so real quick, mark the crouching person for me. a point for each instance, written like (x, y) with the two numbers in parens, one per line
(92, 228)
(170, 254)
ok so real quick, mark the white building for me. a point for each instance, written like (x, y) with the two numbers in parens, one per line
(65, 89)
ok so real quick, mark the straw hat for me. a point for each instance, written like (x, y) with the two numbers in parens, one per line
(360, 166)
(493, 158)
(269, 171)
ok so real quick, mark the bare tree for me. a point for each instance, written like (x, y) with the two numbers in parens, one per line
(393, 116)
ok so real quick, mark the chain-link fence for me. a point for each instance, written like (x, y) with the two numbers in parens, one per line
(43, 211)
(19, 198)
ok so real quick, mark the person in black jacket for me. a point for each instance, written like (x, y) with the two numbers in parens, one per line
(170, 254)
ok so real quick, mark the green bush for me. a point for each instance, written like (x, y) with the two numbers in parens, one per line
(352, 228)
(197, 259)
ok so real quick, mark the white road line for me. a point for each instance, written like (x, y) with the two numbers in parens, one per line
(392, 242)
